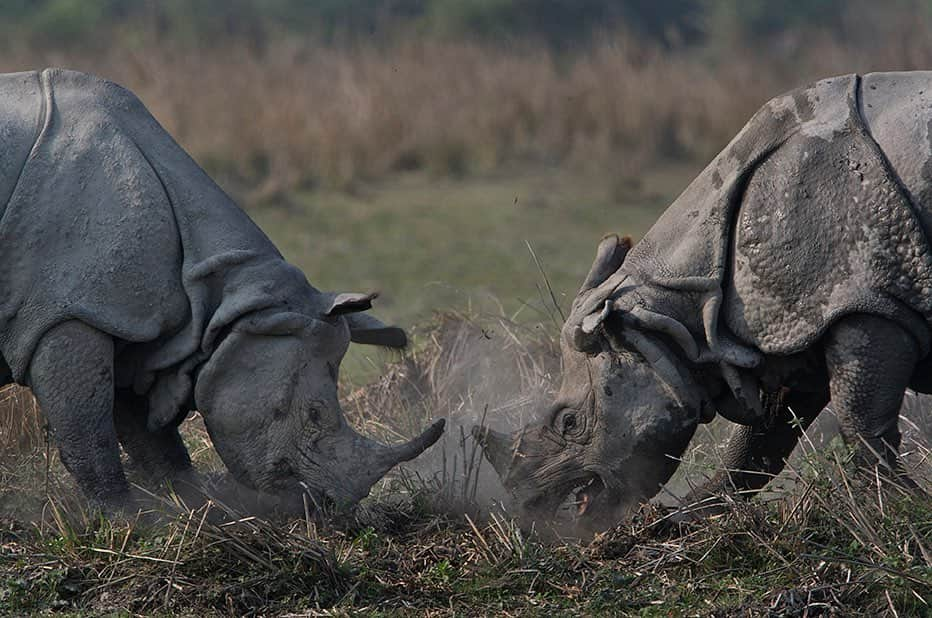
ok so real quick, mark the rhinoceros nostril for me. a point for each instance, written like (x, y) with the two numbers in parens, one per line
(282, 468)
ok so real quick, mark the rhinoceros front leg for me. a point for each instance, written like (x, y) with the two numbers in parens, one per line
(755, 454)
(71, 375)
(158, 454)
(870, 361)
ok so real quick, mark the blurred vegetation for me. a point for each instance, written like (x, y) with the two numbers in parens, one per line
(558, 21)
(561, 23)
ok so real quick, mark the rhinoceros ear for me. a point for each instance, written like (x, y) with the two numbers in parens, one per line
(608, 258)
(363, 328)
(368, 330)
(349, 302)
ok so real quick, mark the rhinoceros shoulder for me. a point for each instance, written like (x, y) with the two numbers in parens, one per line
(91, 93)
(825, 226)
(897, 111)
(21, 111)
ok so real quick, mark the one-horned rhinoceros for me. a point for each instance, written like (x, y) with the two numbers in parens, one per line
(135, 290)
(794, 270)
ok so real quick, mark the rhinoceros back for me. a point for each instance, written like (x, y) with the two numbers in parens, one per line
(827, 227)
(87, 232)
(799, 221)
(113, 224)
(21, 113)
(897, 109)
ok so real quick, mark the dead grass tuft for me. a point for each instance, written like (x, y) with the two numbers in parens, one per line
(22, 429)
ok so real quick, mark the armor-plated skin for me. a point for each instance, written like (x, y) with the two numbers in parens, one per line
(135, 290)
(794, 270)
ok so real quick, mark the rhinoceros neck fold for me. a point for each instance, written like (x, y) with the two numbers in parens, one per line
(229, 267)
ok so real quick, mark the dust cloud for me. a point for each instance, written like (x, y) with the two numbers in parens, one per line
(472, 371)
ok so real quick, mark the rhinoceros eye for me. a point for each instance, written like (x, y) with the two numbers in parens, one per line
(569, 422)
(566, 422)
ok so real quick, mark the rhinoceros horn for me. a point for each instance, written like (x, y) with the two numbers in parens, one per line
(497, 446)
(386, 457)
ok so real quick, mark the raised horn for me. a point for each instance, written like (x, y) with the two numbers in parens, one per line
(390, 456)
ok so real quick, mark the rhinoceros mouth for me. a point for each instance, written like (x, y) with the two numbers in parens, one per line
(586, 495)
(576, 499)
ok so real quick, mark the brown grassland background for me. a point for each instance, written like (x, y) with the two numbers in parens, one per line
(298, 114)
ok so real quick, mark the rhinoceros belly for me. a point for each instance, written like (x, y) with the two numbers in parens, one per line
(825, 228)
(21, 113)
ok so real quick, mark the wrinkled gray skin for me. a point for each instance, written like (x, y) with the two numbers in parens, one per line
(794, 271)
(135, 290)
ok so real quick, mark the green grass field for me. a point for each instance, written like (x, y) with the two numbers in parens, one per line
(443, 243)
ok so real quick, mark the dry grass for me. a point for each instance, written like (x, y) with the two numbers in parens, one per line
(435, 540)
(21, 426)
(297, 114)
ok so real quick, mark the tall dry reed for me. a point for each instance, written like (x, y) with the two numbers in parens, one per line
(298, 114)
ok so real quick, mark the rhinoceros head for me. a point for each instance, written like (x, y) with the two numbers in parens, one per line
(626, 409)
(268, 395)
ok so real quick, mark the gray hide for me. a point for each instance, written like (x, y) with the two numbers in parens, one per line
(795, 268)
(818, 224)
(107, 222)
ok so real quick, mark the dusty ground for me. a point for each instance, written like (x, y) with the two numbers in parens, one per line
(438, 538)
